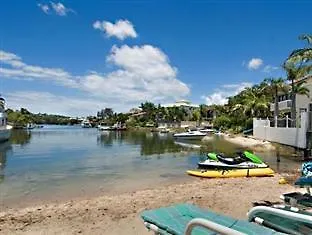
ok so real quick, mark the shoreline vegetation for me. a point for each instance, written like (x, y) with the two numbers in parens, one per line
(236, 115)
(120, 213)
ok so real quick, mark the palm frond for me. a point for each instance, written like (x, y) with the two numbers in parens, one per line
(307, 37)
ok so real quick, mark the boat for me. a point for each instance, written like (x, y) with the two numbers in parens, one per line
(103, 127)
(30, 126)
(243, 160)
(86, 124)
(254, 172)
(218, 133)
(207, 130)
(163, 130)
(190, 135)
(5, 129)
(118, 127)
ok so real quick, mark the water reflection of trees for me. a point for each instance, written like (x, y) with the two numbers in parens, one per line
(151, 143)
(20, 137)
(4, 148)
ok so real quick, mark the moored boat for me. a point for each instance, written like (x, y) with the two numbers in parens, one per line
(118, 127)
(103, 127)
(190, 135)
(163, 130)
(207, 130)
(30, 126)
(86, 124)
(5, 129)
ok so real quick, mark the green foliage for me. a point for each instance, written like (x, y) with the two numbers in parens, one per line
(196, 115)
(222, 122)
(20, 118)
(298, 65)
(105, 113)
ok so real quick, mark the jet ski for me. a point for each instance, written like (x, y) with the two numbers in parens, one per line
(242, 160)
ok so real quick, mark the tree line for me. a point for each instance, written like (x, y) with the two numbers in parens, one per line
(20, 118)
(255, 101)
(236, 115)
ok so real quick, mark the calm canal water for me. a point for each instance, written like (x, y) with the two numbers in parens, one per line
(56, 163)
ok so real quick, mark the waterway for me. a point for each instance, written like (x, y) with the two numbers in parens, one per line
(56, 162)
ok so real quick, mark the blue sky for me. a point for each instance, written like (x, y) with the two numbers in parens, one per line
(76, 57)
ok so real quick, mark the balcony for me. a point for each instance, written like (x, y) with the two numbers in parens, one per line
(282, 105)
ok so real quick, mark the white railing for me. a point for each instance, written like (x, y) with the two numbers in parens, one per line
(282, 105)
(284, 131)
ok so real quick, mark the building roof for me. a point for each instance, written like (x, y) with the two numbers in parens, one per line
(304, 78)
(183, 103)
(135, 110)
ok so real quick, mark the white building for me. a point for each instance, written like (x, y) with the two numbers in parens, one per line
(302, 101)
(182, 103)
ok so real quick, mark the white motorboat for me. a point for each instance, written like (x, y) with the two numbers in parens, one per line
(163, 130)
(218, 133)
(86, 124)
(190, 135)
(30, 126)
(5, 129)
(103, 127)
(207, 131)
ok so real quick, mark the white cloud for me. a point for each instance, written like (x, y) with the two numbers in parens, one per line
(254, 63)
(16, 68)
(121, 29)
(57, 7)
(45, 102)
(44, 7)
(146, 61)
(220, 96)
(60, 9)
(142, 73)
(269, 68)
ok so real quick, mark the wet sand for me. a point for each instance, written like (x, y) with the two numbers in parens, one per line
(250, 142)
(120, 214)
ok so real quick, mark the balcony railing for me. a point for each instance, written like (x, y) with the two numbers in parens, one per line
(282, 105)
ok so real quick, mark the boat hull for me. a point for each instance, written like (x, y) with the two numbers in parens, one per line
(5, 133)
(256, 172)
(189, 137)
(220, 165)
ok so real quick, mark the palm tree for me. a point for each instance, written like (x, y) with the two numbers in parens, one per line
(297, 65)
(274, 86)
(302, 54)
(254, 102)
(300, 89)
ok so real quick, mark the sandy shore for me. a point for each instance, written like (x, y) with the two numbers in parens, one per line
(119, 214)
(249, 142)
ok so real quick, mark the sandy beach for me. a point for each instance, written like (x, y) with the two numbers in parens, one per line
(120, 214)
(248, 142)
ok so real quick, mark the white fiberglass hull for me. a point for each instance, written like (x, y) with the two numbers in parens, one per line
(5, 133)
(217, 164)
(190, 136)
(104, 128)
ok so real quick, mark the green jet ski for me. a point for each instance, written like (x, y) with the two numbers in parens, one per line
(242, 160)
